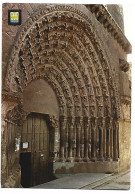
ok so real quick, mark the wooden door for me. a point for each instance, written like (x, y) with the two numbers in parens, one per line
(35, 132)
(25, 162)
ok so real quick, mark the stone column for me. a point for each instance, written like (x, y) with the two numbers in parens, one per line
(93, 130)
(74, 140)
(97, 138)
(78, 136)
(82, 141)
(108, 128)
(111, 146)
(86, 128)
(115, 140)
(117, 126)
(89, 140)
(101, 142)
(56, 141)
(104, 137)
(62, 137)
(66, 141)
(71, 126)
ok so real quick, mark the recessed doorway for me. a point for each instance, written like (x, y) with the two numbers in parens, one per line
(36, 134)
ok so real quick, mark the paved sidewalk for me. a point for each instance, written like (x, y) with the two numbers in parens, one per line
(118, 183)
(89, 181)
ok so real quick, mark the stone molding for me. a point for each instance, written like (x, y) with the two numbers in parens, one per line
(105, 18)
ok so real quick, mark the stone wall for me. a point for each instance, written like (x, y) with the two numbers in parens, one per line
(125, 148)
(10, 155)
(117, 13)
(41, 93)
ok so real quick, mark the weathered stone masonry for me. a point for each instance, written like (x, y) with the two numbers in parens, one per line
(61, 45)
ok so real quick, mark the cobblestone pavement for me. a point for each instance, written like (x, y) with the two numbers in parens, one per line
(88, 181)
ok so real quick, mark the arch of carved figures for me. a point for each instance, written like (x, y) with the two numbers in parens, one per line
(60, 45)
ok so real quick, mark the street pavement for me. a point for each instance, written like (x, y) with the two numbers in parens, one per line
(88, 181)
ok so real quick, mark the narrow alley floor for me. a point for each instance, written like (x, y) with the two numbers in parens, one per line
(88, 181)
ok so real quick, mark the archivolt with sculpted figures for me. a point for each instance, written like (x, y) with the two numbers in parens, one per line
(59, 44)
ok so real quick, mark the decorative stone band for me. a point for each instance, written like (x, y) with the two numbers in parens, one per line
(105, 18)
(6, 96)
(124, 65)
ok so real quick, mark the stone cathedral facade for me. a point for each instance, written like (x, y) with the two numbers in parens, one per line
(65, 92)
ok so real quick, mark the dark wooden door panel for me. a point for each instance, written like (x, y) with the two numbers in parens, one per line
(25, 162)
(35, 131)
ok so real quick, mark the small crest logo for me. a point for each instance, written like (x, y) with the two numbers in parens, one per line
(14, 17)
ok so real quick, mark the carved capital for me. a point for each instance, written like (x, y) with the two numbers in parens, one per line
(124, 65)
(126, 100)
(15, 115)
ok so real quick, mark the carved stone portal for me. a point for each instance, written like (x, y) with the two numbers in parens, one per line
(71, 59)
